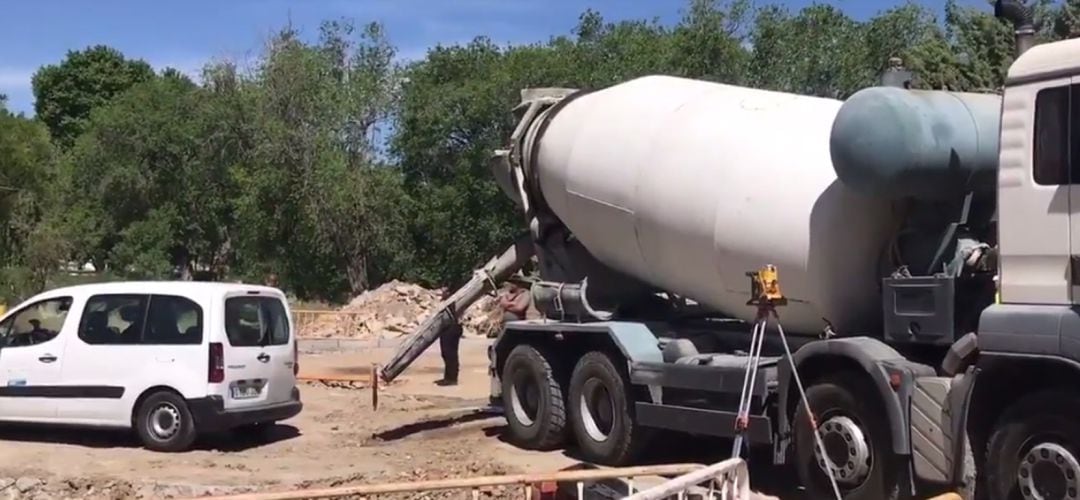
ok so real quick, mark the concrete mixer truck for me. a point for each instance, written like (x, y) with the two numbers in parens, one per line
(926, 242)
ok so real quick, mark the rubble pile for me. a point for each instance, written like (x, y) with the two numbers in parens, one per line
(396, 308)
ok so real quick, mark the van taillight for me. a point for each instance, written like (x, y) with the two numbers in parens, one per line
(295, 360)
(216, 374)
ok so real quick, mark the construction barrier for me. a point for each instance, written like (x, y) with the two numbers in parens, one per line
(727, 480)
(533, 486)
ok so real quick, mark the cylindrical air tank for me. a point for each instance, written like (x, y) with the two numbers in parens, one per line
(688, 185)
(928, 145)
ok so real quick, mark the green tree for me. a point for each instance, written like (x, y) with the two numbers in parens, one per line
(30, 247)
(144, 196)
(315, 203)
(66, 93)
(819, 51)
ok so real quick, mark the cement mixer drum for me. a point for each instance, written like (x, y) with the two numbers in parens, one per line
(687, 185)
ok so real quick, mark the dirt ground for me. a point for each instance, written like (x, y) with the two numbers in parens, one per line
(420, 431)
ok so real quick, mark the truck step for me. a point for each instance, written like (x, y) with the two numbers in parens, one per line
(723, 375)
(701, 421)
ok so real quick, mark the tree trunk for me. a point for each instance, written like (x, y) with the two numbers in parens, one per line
(358, 275)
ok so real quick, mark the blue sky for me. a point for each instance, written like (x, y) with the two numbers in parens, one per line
(185, 34)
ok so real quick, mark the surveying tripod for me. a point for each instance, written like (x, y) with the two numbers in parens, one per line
(765, 294)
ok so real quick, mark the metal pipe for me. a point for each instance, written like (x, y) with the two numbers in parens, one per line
(485, 279)
(1022, 17)
(470, 482)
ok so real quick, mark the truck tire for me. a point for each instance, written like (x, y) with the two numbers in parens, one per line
(532, 400)
(856, 435)
(1034, 449)
(969, 479)
(601, 412)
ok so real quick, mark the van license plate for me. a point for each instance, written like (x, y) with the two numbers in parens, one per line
(245, 391)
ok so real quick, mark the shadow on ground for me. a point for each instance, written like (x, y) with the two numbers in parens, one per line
(109, 438)
(407, 430)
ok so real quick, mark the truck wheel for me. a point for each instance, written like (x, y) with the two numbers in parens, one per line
(1034, 449)
(600, 411)
(532, 400)
(856, 435)
(969, 485)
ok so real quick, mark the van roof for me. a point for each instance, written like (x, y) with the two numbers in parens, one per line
(161, 287)
(1046, 61)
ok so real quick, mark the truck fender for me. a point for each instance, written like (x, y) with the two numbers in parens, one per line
(879, 361)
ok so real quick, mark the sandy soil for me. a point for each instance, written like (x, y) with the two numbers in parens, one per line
(420, 431)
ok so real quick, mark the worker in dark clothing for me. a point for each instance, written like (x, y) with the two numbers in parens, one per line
(449, 341)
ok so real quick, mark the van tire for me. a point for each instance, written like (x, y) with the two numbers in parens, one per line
(164, 422)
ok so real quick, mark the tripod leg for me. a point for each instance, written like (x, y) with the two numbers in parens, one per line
(830, 468)
(757, 338)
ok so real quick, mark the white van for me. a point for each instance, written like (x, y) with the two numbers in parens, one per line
(169, 359)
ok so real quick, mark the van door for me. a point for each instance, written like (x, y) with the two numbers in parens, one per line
(31, 346)
(259, 357)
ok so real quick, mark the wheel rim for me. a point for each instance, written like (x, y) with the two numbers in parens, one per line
(847, 448)
(164, 421)
(1048, 470)
(524, 398)
(597, 410)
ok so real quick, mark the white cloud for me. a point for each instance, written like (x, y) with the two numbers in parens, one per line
(15, 78)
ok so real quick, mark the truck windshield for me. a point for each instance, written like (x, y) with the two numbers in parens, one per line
(256, 321)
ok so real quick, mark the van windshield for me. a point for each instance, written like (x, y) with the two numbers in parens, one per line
(256, 321)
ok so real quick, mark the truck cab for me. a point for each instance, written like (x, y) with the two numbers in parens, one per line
(1026, 403)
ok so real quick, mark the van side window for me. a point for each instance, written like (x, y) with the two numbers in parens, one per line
(173, 320)
(35, 324)
(1051, 147)
(256, 321)
(113, 319)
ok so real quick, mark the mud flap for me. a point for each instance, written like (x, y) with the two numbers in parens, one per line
(937, 429)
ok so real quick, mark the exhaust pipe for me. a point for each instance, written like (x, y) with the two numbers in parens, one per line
(1022, 17)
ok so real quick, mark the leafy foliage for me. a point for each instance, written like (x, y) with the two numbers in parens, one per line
(335, 168)
(66, 93)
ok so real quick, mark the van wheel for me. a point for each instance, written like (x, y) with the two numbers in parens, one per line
(164, 423)
(856, 436)
(600, 411)
(532, 400)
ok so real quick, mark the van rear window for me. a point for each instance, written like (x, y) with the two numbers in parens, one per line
(256, 321)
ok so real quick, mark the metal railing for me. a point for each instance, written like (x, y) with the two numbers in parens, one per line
(727, 480)
(534, 486)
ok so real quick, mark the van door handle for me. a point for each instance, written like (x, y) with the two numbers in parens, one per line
(265, 358)
(47, 358)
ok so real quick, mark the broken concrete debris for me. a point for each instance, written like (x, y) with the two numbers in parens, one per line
(394, 309)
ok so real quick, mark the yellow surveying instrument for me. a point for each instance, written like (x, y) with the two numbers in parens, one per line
(766, 295)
